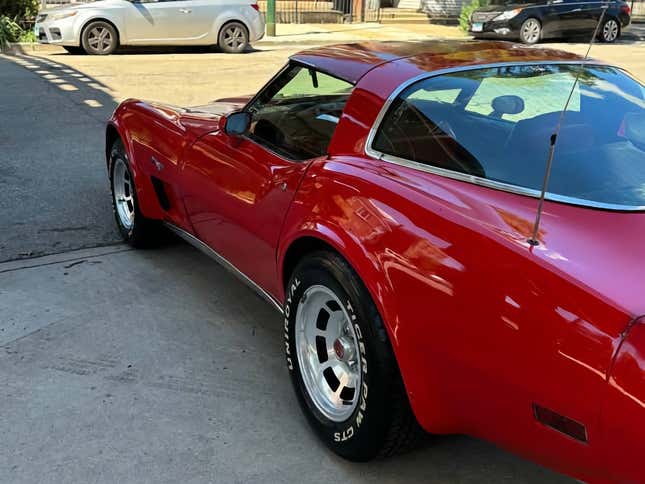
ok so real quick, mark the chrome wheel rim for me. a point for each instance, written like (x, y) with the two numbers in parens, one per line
(531, 31)
(234, 37)
(100, 39)
(123, 190)
(328, 353)
(610, 30)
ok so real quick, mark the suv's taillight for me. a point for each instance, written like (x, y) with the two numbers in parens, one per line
(255, 6)
(625, 9)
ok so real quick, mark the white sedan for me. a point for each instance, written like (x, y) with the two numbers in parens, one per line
(100, 27)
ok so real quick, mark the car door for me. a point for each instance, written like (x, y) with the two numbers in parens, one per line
(578, 17)
(587, 18)
(238, 188)
(162, 21)
(195, 20)
(561, 17)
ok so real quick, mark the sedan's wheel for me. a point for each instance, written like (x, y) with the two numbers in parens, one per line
(610, 30)
(135, 229)
(234, 38)
(333, 334)
(530, 31)
(100, 38)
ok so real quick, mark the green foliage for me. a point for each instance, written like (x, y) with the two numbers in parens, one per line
(10, 31)
(466, 10)
(27, 36)
(20, 9)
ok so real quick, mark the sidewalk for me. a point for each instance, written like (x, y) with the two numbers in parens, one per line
(317, 34)
(337, 33)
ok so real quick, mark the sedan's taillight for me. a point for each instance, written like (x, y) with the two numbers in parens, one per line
(255, 6)
(625, 9)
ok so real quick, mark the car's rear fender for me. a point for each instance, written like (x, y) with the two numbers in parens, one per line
(623, 412)
(237, 14)
(335, 213)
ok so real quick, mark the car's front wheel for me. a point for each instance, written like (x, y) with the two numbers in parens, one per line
(99, 38)
(136, 229)
(610, 30)
(341, 363)
(531, 31)
(233, 38)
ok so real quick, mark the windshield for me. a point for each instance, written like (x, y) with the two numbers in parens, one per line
(496, 124)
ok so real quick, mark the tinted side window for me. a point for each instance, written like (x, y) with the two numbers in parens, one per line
(499, 124)
(297, 114)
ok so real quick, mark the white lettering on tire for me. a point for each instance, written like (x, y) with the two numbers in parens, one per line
(287, 311)
(348, 433)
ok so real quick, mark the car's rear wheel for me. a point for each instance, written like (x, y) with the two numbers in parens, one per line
(531, 31)
(333, 334)
(234, 38)
(610, 30)
(100, 38)
(74, 50)
(135, 229)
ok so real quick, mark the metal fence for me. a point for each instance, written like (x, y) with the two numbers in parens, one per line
(324, 11)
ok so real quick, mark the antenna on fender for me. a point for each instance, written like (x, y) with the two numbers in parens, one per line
(554, 138)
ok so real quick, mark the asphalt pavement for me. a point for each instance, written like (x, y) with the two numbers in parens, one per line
(158, 367)
(53, 188)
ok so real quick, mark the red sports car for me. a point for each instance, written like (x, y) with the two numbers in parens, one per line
(383, 197)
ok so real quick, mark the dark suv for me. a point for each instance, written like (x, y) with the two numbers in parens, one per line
(531, 22)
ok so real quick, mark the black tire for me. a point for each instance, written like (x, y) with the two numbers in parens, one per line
(382, 423)
(99, 38)
(143, 232)
(530, 31)
(609, 31)
(74, 50)
(233, 38)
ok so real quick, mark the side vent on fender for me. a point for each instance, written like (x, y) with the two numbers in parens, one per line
(562, 424)
(160, 191)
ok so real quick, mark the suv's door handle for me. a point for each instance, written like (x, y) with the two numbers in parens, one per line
(185, 10)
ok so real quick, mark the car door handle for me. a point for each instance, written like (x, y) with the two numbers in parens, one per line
(185, 10)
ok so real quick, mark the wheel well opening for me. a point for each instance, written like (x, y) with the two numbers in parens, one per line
(299, 249)
(111, 135)
(228, 22)
(94, 20)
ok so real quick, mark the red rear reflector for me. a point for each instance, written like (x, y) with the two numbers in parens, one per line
(560, 423)
(255, 6)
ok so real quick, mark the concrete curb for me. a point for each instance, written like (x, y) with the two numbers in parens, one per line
(26, 47)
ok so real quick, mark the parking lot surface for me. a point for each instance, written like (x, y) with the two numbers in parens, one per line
(158, 366)
(154, 366)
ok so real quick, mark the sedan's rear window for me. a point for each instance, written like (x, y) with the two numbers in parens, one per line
(495, 123)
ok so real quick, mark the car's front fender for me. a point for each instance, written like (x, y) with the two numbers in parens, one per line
(113, 16)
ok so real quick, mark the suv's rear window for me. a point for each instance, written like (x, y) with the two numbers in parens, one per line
(495, 123)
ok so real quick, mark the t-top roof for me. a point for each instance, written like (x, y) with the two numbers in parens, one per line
(352, 61)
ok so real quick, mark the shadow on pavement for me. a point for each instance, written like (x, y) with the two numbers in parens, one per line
(52, 159)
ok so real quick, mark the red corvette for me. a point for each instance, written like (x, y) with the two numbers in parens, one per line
(383, 196)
